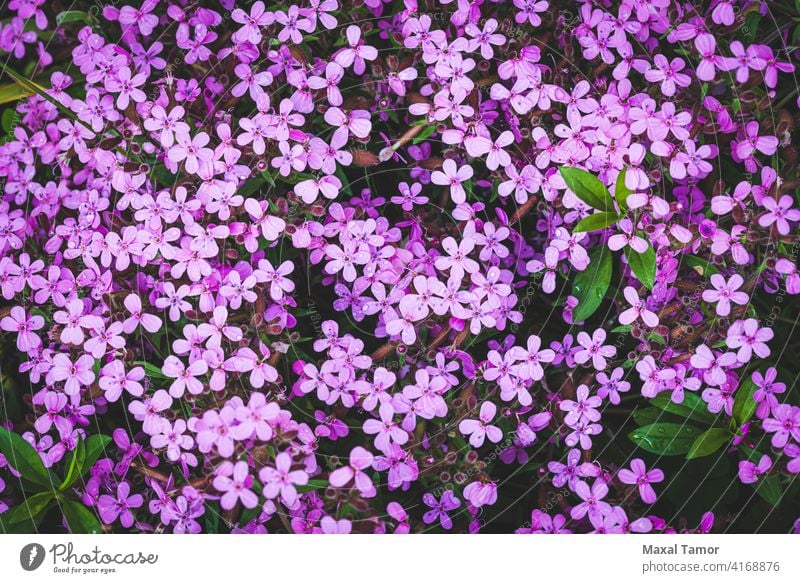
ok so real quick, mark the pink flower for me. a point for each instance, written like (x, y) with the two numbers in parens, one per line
(779, 212)
(281, 480)
(185, 377)
(114, 380)
(712, 365)
(594, 350)
(386, 429)
(149, 322)
(639, 476)
(236, 487)
(592, 499)
(18, 321)
(75, 374)
(479, 429)
(748, 337)
(637, 310)
(724, 293)
(360, 460)
(749, 473)
(74, 321)
(110, 507)
(453, 176)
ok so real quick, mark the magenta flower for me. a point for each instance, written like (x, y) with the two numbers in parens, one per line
(360, 460)
(724, 293)
(749, 473)
(25, 326)
(779, 213)
(592, 497)
(481, 428)
(637, 310)
(439, 509)
(112, 507)
(594, 350)
(281, 480)
(784, 423)
(74, 374)
(236, 483)
(639, 476)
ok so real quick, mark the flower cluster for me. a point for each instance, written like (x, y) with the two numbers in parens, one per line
(337, 266)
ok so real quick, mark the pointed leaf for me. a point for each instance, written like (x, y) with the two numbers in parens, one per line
(744, 405)
(692, 407)
(24, 458)
(29, 509)
(595, 222)
(665, 438)
(770, 489)
(588, 188)
(591, 284)
(80, 519)
(75, 462)
(643, 265)
(709, 442)
(622, 192)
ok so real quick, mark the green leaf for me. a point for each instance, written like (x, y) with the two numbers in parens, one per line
(692, 407)
(75, 16)
(30, 509)
(708, 443)
(312, 485)
(770, 489)
(701, 266)
(80, 519)
(648, 415)
(424, 134)
(95, 447)
(77, 458)
(622, 192)
(22, 457)
(665, 438)
(592, 283)
(744, 405)
(151, 370)
(588, 188)
(595, 222)
(643, 265)
(11, 92)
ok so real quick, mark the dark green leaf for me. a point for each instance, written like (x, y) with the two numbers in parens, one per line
(665, 438)
(22, 457)
(30, 509)
(95, 447)
(648, 415)
(81, 520)
(588, 188)
(770, 489)
(592, 283)
(595, 222)
(622, 192)
(709, 442)
(643, 265)
(744, 405)
(692, 407)
(75, 462)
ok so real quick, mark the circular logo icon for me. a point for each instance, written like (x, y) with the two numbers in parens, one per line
(31, 556)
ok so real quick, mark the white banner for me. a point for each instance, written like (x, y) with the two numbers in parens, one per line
(406, 559)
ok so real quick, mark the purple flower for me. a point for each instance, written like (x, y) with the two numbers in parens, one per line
(439, 509)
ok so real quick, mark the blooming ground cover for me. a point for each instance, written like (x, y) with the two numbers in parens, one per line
(399, 266)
